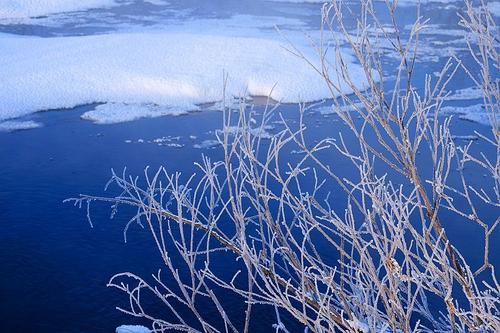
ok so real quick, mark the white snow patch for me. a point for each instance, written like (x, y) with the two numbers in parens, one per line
(132, 329)
(112, 113)
(14, 125)
(32, 8)
(170, 70)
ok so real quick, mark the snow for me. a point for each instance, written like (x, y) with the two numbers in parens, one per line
(169, 70)
(32, 8)
(14, 125)
(132, 329)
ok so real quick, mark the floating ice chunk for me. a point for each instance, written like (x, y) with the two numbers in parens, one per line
(477, 117)
(207, 144)
(415, 3)
(475, 113)
(132, 329)
(111, 113)
(261, 131)
(15, 125)
(32, 8)
(174, 71)
(327, 110)
(466, 94)
(465, 137)
(168, 141)
(157, 2)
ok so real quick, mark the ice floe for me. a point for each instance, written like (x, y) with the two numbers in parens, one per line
(111, 113)
(171, 71)
(475, 113)
(15, 125)
(261, 132)
(466, 94)
(132, 329)
(207, 144)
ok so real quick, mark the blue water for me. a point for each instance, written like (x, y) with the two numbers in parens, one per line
(54, 267)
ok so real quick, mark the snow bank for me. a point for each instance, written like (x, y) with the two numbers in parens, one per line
(31, 8)
(132, 329)
(174, 71)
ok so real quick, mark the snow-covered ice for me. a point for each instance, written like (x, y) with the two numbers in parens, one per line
(466, 94)
(332, 109)
(173, 71)
(132, 329)
(30, 8)
(475, 113)
(14, 125)
(207, 144)
(111, 113)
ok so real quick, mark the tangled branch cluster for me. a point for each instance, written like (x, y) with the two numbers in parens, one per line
(371, 265)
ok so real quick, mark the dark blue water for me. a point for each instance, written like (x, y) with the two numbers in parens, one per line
(54, 266)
